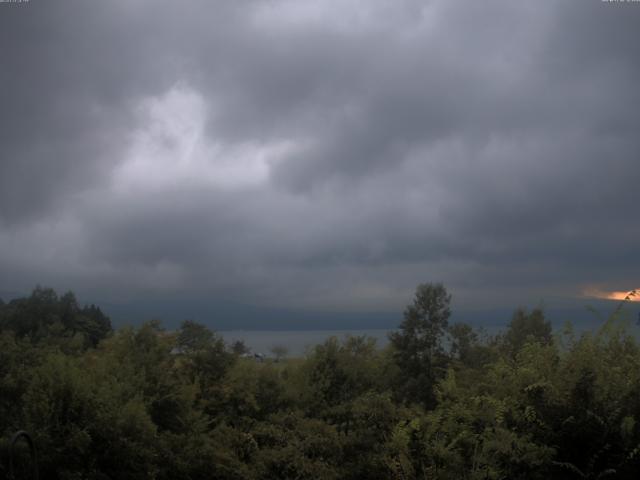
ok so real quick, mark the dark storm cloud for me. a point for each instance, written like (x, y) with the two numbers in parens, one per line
(319, 153)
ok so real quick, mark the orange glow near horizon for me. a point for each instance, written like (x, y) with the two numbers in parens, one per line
(614, 295)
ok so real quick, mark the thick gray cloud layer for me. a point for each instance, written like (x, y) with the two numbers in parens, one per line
(326, 154)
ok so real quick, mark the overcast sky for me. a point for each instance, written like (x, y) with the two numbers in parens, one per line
(320, 155)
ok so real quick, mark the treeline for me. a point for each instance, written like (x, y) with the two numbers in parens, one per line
(441, 401)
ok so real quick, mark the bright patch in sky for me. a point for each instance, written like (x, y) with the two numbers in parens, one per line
(630, 295)
(172, 149)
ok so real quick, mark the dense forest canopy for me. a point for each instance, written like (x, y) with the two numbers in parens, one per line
(440, 401)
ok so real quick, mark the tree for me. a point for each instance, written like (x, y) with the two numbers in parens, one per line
(417, 345)
(45, 316)
(463, 339)
(340, 371)
(193, 337)
(206, 355)
(527, 327)
(240, 348)
(95, 324)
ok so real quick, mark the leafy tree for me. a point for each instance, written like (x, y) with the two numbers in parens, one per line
(291, 446)
(337, 372)
(193, 337)
(87, 425)
(149, 403)
(94, 324)
(43, 316)
(470, 350)
(240, 348)
(252, 391)
(417, 345)
(463, 339)
(372, 419)
(205, 361)
(527, 327)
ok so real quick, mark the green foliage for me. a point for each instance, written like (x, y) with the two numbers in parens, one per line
(43, 316)
(339, 372)
(194, 337)
(240, 348)
(145, 403)
(418, 349)
(86, 425)
(290, 446)
(527, 327)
